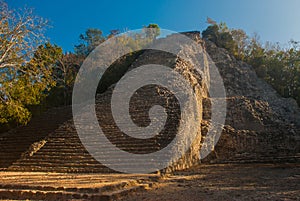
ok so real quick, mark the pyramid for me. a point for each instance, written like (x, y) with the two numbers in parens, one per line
(260, 125)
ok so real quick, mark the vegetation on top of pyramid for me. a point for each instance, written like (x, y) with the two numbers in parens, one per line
(279, 66)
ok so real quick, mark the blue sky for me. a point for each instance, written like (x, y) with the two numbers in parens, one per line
(273, 20)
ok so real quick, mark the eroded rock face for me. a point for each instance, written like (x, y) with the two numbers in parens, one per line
(260, 124)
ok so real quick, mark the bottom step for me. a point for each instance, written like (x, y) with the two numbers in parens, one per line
(23, 194)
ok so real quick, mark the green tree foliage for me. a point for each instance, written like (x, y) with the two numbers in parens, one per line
(241, 42)
(279, 66)
(131, 41)
(27, 86)
(25, 64)
(64, 75)
(94, 37)
(152, 31)
(221, 36)
(255, 55)
(33, 72)
(89, 41)
(282, 70)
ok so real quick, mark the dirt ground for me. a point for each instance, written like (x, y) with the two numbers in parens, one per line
(204, 182)
(227, 182)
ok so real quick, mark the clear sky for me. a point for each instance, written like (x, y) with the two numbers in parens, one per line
(273, 20)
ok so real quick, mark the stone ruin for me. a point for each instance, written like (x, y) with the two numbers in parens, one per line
(260, 125)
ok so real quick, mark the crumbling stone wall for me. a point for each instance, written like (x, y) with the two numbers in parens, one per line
(261, 126)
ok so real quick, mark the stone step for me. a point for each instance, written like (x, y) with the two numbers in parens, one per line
(69, 149)
(64, 194)
(263, 159)
(106, 188)
(74, 157)
(87, 169)
(83, 163)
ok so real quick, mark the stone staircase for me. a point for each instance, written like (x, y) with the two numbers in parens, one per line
(49, 193)
(62, 150)
(60, 186)
(15, 143)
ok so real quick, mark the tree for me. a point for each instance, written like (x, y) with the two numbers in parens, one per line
(221, 36)
(25, 64)
(28, 86)
(255, 55)
(89, 41)
(211, 33)
(241, 40)
(152, 31)
(278, 66)
(113, 33)
(64, 74)
(20, 33)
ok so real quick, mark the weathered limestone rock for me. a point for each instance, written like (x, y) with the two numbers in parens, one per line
(260, 124)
